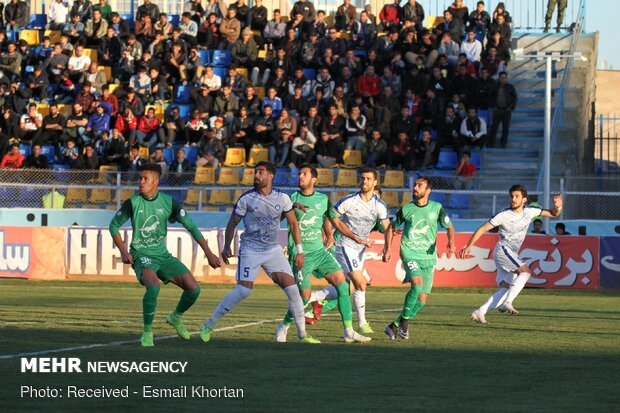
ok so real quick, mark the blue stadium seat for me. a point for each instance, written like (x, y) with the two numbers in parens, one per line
(487, 115)
(310, 73)
(7, 194)
(128, 17)
(446, 160)
(49, 151)
(221, 58)
(293, 177)
(437, 197)
(173, 19)
(455, 213)
(221, 72)
(178, 195)
(359, 52)
(30, 196)
(191, 154)
(475, 159)
(25, 150)
(29, 69)
(205, 55)
(185, 111)
(11, 36)
(280, 179)
(37, 21)
(181, 94)
(459, 201)
(169, 155)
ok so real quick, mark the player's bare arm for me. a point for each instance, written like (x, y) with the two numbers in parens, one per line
(214, 260)
(556, 210)
(451, 239)
(229, 235)
(328, 233)
(346, 231)
(120, 244)
(294, 228)
(300, 206)
(389, 235)
(464, 253)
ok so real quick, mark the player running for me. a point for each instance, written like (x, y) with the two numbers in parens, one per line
(418, 251)
(359, 212)
(261, 210)
(149, 212)
(311, 209)
(512, 273)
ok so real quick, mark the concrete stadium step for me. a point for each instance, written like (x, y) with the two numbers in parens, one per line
(510, 153)
(530, 143)
(516, 165)
(536, 129)
(493, 174)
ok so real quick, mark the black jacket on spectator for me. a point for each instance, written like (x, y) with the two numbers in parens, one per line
(185, 165)
(37, 162)
(511, 96)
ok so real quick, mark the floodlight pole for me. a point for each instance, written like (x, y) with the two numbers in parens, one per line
(547, 142)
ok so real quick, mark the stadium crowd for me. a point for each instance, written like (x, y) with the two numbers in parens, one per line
(397, 86)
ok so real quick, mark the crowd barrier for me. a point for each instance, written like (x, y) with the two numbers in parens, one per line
(88, 253)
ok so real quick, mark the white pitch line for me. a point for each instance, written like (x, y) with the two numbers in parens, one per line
(122, 342)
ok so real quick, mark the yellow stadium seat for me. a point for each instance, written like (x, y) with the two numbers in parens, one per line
(433, 21)
(65, 109)
(352, 158)
(43, 109)
(237, 195)
(243, 72)
(193, 197)
(262, 54)
(326, 177)
(406, 197)
(112, 87)
(257, 155)
(126, 194)
(338, 195)
(248, 177)
(235, 157)
(204, 176)
(30, 36)
(346, 36)
(219, 197)
(391, 199)
(144, 152)
(105, 172)
(346, 177)
(100, 196)
(329, 20)
(393, 179)
(260, 91)
(92, 53)
(107, 70)
(76, 195)
(54, 35)
(228, 176)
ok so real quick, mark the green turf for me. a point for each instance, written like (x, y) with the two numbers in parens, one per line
(562, 353)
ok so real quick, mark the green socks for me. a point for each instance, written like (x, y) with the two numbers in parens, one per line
(188, 298)
(411, 299)
(344, 304)
(149, 305)
(331, 304)
(288, 318)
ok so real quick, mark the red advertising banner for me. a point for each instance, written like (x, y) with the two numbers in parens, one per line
(556, 262)
(33, 252)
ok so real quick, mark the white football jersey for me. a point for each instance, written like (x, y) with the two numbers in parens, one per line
(513, 226)
(261, 218)
(360, 216)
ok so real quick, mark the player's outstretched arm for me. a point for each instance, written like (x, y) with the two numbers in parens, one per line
(464, 253)
(294, 228)
(184, 219)
(346, 231)
(556, 210)
(229, 235)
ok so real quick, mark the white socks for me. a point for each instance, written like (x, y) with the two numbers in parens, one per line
(359, 299)
(228, 303)
(494, 301)
(327, 293)
(296, 306)
(516, 286)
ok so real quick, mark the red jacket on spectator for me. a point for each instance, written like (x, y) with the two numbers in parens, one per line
(12, 161)
(390, 13)
(369, 85)
(124, 126)
(147, 125)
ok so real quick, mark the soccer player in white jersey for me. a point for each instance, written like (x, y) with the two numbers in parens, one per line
(261, 210)
(512, 273)
(360, 212)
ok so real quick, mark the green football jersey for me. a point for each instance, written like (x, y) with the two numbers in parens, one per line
(420, 233)
(311, 221)
(149, 221)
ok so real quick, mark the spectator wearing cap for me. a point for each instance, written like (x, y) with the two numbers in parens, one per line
(221, 132)
(173, 128)
(230, 28)
(38, 83)
(244, 51)
(345, 16)
(14, 159)
(210, 151)
(390, 16)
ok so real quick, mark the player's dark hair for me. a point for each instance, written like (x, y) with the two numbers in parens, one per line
(268, 166)
(426, 179)
(519, 188)
(379, 191)
(153, 167)
(369, 171)
(313, 171)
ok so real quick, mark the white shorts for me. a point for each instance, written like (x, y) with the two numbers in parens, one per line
(271, 261)
(350, 259)
(507, 264)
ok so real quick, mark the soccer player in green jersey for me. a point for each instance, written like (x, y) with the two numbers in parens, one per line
(417, 251)
(311, 209)
(149, 212)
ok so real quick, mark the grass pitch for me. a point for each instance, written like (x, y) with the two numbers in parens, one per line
(562, 353)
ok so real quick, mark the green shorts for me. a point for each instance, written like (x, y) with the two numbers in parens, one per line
(166, 268)
(318, 263)
(419, 268)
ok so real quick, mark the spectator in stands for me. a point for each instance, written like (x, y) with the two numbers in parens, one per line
(165, 27)
(479, 20)
(363, 32)
(472, 48)
(426, 50)
(320, 25)
(56, 63)
(96, 29)
(133, 161)
(502, 48)
(99, 121)
(284, 133)
(427, 146)
(241, 131)
(257, 19)
(197, 12)
(376, 150)
(10, 61)
(473, 130)
(504, 102)
(194, 129)
(302, 148)
(501, 26)
(368, 85)
(449, 129)
(275, 29)
(401, 153)
(113, 149)
(465, 172)
(95, 77)
(14, 159)
(159, 158)
(355, 126)
(52, 127)
(110, 98)
(537, 226)
(149, 9)
(144, 30)
(244, 51)
(78, 64)
(189, 29)
(88, 161)
(82, 8)
(42, 51)
(173, 128)
(38, 83)
(70, 153)
(328, 150)
(264, 127)
(121, 27)
(210, 81)
(227, 105)
(104, 8)
(450, 48)
(500, 10)
(74, 28)
(180, 164)
(560, 229)
(57, 12)
(36, 160)
(127, 123)
(390, 16)
(453, 26)
(30, 123)
(230, 29)
(16, 15)
(459, 12)
(235, 81)
(211, 150)
(345, 16)
(415, 12)
(549, 15)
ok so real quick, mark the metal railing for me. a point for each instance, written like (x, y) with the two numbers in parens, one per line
(607, 144)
